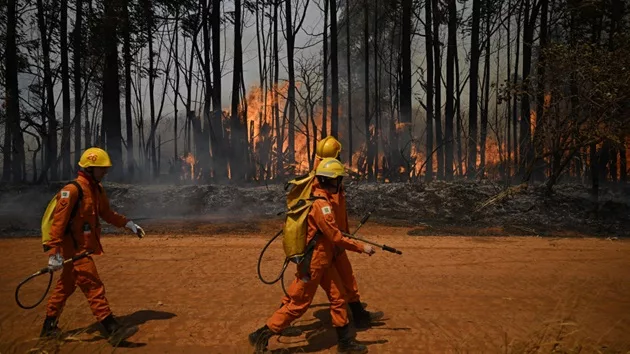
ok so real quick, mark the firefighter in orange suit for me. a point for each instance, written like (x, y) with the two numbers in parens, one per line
(72, 235)
(330, 147)
(317, 268)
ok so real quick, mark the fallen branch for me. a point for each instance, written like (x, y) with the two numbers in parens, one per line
(507, 193)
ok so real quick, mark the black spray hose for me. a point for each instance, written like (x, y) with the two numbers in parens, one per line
(40, 272)
(284, 266)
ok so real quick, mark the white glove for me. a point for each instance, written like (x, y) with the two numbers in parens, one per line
(136, 229)
(55, 262)
(368, 249)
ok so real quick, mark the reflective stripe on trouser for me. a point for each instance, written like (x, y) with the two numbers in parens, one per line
(301, 295)
(84, 274)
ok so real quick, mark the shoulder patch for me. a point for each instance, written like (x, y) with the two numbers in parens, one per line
(326, 210)
(65, 194)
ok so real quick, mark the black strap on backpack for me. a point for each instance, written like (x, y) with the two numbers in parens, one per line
(75, 207)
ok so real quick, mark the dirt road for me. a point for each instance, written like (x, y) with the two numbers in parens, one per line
(201, 294)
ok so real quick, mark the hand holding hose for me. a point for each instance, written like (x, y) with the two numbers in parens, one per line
(55, 262)
(369, 250)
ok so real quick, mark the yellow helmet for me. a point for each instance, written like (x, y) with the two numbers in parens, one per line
(95, 157)
(328, 147)
(330, 168)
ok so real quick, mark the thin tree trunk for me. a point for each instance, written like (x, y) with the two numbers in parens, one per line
(429, 78)
(438, 90)
(508, 161)
(148, 12)
(377, 95)
(526, 148)
(12, 94)
(51, 139)
(348, 68)
(78, 98)
(325, 64)
(279, 134)
(111, 91)
(458, 117)
(208, 131)
(450, 88)
(237, 142)
(486, 100)
(515, 140)
(65, 89)
(291, 72)
(218, 141)
(334, 71)
(176, 113)
(127, 63)
(539, 163)
(366, 88)
(473, 91)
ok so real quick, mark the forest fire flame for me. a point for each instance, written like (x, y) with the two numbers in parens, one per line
(188, 167)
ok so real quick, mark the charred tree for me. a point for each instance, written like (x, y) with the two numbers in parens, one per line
(291, 73)
(485, 105)
(65, 92)
(218, 143)
(526, 151)
(128, 98)
(334, 71)
(349, 70)
(77, 58)
(473, 91)
(450, 88)
(438, 90)
(429, 78)
(325, 65)
(237, 165)
(366, 87)
(111, 89)
(49, 109)
(13, 94)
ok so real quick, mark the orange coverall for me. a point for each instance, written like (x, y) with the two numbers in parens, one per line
(70, 240)
(321, 219)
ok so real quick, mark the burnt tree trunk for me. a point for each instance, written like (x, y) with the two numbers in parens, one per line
(65, 92)
(473, 91)
(325, 64)
(366, 87)
(450, 88)
(237, 162)
(334, 71)
(291, 73)
(12, 94)
(111, 91)
(348, 68)
(78, 97)
(437, 82)
(218, 140)
(429, 77)
(127, 59)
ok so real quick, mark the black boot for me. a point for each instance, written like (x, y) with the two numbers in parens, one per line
(361, 317)
(116, 332)
(346, 342)
(260, 339)
(50, 328)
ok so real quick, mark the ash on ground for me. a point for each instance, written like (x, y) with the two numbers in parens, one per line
(459, 207)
